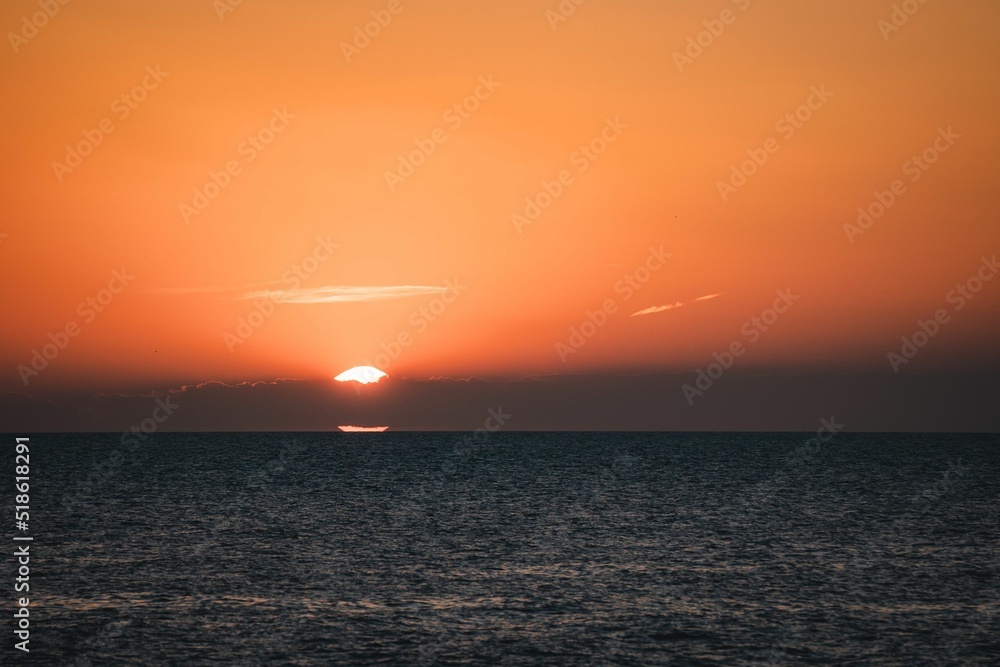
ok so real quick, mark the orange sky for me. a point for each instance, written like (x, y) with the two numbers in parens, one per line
(341, 125)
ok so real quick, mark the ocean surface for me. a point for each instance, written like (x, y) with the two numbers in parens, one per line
(519, 549)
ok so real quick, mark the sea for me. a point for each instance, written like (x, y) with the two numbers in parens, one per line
(510, 549)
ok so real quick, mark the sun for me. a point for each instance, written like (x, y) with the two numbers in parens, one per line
(361, 374)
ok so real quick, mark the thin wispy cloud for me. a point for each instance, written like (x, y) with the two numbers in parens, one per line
(345, 294)
(657, 309)
(678, 304)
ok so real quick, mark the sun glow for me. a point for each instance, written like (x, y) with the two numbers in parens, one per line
(361, 374)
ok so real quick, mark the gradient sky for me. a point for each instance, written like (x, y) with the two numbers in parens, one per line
(338, 122)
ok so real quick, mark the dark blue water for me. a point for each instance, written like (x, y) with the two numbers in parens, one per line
(556, 549)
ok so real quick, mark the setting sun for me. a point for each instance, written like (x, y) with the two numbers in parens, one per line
(362, 374)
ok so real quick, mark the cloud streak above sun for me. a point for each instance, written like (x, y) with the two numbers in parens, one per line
(659, 309)
(344, 293)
